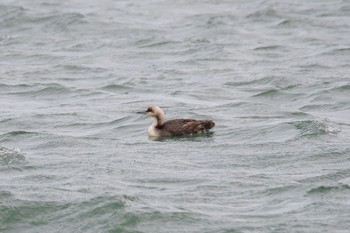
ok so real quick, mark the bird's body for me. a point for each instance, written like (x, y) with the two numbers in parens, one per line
(177, 127)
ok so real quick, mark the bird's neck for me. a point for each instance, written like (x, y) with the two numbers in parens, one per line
(158, 120)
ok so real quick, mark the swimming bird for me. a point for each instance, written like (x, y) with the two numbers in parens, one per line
(177, 127)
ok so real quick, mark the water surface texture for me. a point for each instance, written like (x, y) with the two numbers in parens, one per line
(273, 75)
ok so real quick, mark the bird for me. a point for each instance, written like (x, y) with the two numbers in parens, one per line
(177, 127)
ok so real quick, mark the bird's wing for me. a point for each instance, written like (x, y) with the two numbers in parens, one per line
(184, 126)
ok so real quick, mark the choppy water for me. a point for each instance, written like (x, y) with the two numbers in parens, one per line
(273, 75)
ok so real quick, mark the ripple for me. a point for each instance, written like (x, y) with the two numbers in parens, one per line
(103, 211)
(17, 133)
(5, 87)
(49, 90)
(268, 93)
(13, 15)
(327, 189)
(102, 205)
(338, 51)
(280, 82)
(61, 22)
(115, 88)
(55, 90)
(345, 87)
(8, 14)
(159, 44)
(43, 90)
(278, 191)
(264, 14)
(270, 47)
(5, 194)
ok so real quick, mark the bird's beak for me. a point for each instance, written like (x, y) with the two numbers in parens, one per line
(141, 112)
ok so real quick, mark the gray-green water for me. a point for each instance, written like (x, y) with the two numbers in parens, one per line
(273, 75)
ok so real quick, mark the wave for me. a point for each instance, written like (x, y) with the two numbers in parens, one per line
(337, 51)
(270, 47)
(129, 125)
(54, 89)
(17, 133)
(280, 190)
(268, 93)
(327, 189)
(272, 81)
(8, 14)
(345, 87)
(104, 213)
(331, 107)
(34, 89)
(309, 128)
(217, 20)
(63, 22)
(19, 213)
(24, 19)
(118, 122)
(51, 90)
(14, 86)
(266, 13)
(115, 88)
(11, 156)
(157, 44)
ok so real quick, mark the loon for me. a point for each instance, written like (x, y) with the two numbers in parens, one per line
(177, 127)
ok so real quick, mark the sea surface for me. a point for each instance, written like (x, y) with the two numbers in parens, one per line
(274, 75)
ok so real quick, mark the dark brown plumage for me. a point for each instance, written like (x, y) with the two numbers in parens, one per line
(177, 127)
(181, 127)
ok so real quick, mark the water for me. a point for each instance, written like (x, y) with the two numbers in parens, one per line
(273, 75)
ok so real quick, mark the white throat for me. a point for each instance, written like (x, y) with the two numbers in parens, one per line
(152, 131)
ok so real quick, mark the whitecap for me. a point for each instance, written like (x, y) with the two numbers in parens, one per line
(12, 156)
